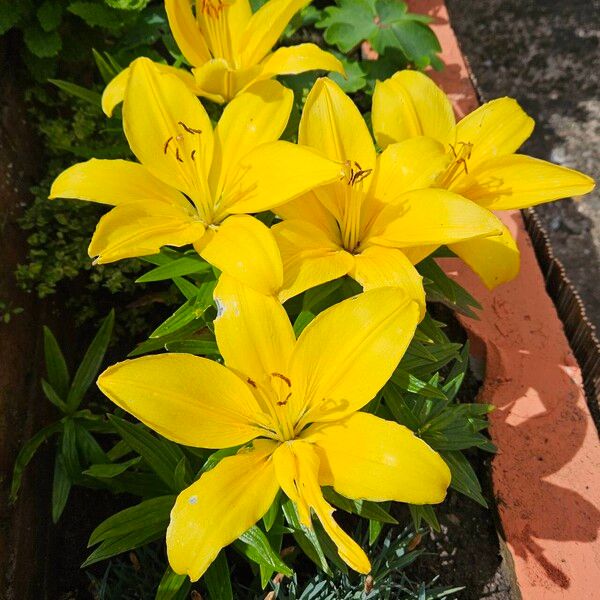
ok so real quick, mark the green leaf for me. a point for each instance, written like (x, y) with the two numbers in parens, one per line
(424, 512)
(409, 383)
(218, 580)
(464, 479)
(51, 394)
(61, 487)
(147, 514)
(375, 529)
(9, 16)
(355, 79)
(107, 471)
(49, 14)
(349, 23)
(127, 4)
(43, 44)
(186, 265)
(255, 546)
(198, 347)
(77, 91)
(27, 452)
(56, 366)
(172, 586)
(363, 508)
(88, 448)
(96, 15)
(106, 69)
(91, 363)
(161, 455)
(216, 457)
(69, 449)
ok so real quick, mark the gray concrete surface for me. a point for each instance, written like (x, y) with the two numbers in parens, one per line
(546, 54)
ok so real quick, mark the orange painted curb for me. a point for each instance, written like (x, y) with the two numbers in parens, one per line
(546, 475)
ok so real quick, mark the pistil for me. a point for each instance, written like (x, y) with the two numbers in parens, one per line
(459, 165)
(353, 192)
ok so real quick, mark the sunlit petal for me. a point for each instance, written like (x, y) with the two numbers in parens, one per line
(297, 471)
(265, 27)
(186, 32)
(245, 248)
(218, 81)
(518, 181)
(378, 267)
(346, 355)
(188, 399)
(141, 228)
(253, 331)
(168, 129)
(495, 259)
(409, 104)
(113, 182)
(299, 59)
(332, 124)
(224, 503)
(365, 457)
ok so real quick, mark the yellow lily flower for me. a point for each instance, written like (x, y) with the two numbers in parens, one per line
(230, 48)
(482, 165)
(192, 179)
(376, 221)
(293, 404)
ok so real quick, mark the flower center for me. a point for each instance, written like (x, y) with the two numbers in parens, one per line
(211, 16)
(274, 395)
(352, 202)
(462, 153)
(186, 148)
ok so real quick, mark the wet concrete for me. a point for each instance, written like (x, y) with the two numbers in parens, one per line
(545, 53)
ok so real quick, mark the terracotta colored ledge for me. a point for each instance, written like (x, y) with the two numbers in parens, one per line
(546, 475)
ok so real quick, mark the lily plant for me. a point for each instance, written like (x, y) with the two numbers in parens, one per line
(293, 405)
(482, 161)
(192, 179)
(379, 218)
(230, 48)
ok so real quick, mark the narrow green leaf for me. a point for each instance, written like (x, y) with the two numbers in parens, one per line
(51, 394)
(172, 586)
(61, 487)
(424, 512)
(464, 479)
(218, 580)
(56, 366)
(186, 265)
(27, 452)
(69, 449)
(105, 68)
(89, 449)
(409, 383)
(91, 363)
(161, 455)
(73, 89)
(107, 471)
(146, 514)
(197, 347)
(258, 549)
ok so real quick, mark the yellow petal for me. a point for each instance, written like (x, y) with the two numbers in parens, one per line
(188, 399)
(142, 228)
(274, 174)
(168, 129)
(299, 59)
(365, 457)
(297, 470)
(495, 259)
(245, 249)
(310, 257)
(409, 104)
(114, 92)
(346, 355)
(253, 331)
(496, 128)
(518, 181)
(218, 81)
(265, 27)
(184, 28)
(254, 117)
(432, 217)
(113, 182)
(378, 267)
(308, 208)
(332, 124)
(224, 503)
(413, 164)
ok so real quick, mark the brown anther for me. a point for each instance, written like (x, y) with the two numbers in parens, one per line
(282, 403)
(177, 156)
(167, 144)
(360, 175)
(251, 382)
(193, 154)
(189, 129)
(283, 378)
